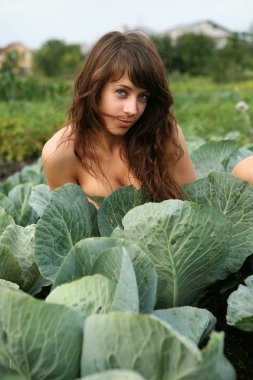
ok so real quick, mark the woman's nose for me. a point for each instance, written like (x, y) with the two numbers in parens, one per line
(130, 106)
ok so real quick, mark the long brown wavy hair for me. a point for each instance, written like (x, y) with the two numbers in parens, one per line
(150, 147)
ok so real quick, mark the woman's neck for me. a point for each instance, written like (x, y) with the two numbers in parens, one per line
(109, 144)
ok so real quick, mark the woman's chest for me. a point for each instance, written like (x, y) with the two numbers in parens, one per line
(112, 176)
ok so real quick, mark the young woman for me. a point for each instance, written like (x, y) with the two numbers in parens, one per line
(244, 169)
(121, 127)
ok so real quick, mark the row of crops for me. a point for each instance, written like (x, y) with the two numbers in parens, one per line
(115, 293)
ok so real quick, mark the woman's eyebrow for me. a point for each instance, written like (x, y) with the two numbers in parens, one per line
(123, 85)
(129, 87)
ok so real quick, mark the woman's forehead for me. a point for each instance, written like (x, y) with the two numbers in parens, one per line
(137, 78)
(125, 81)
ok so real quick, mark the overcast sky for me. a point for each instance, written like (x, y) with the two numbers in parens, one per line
(33, 22)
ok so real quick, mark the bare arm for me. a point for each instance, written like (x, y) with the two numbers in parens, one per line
(244, 169)
(59, 162)
(184, 170)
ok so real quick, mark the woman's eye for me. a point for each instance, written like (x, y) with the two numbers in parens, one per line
(144, 97)
(121, 92)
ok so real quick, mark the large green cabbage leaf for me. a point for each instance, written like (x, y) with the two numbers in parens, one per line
(81, 258)
(39, 198)
(114, 374)
(17, 258)
(37, 339)
(214, 364)
(17, 204)
(67, 218)
(5, 220)
(12, 376)
(116, 205)
(100, 294)
(9, 284)
(193, 322)
(240, 306)
(146, 345)
(187, 243)
(234, 198)
(9, 268)
(109, 264)
(95, 295)
(212, 156)
(103, 255)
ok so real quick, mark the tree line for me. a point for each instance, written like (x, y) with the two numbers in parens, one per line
(192, 54)
(198, 55)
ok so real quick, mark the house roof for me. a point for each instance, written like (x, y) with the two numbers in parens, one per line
(10, 46)
(190, 26)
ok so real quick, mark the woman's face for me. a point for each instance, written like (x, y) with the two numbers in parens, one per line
(124, 103)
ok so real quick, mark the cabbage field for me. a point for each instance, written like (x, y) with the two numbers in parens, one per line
(135, 290)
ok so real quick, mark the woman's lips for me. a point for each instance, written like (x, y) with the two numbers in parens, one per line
(126, 122)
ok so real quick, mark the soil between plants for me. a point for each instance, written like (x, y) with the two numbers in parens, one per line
(238, 344)
(10, 167)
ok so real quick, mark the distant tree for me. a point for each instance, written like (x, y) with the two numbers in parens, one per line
(72, 60)
(56, 58)
(165, 49)
(11, 62)
(235, 60)
(47, 59)
(192, 53)
(240, 48)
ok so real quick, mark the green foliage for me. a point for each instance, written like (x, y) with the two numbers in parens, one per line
(232, 197)
(208, 110)
(240, 306)
(165, 49)
(11, 62)
(18, 87)
(106, 290)
(192, 54)
(71, 231)
(32, 174)
(26, 126)
(56, 58)
(174, 235)
(234, 61)
(197, 54)
(33, 331)
(33, 109)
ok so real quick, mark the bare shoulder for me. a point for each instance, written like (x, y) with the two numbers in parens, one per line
(244, 169)
(184, 170)
(58, 159)
(55, 144)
